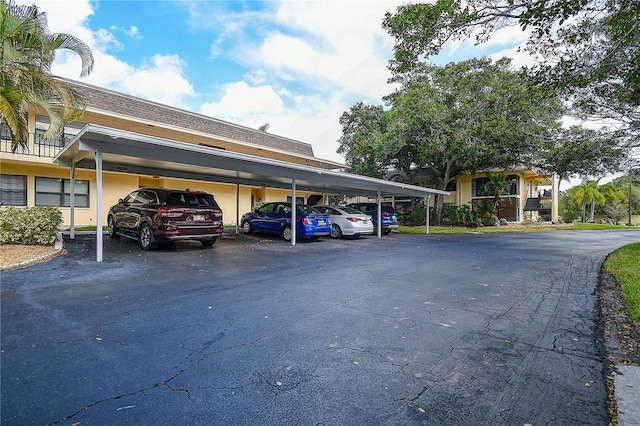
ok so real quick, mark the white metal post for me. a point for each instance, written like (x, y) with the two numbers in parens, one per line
(294, 211)
(98, 155)
(72, 202)
(428, 202)
(379, 215)
(237, 208)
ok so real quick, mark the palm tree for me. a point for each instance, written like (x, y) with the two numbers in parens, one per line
(595, 197)
(587, 193)
(27, 50)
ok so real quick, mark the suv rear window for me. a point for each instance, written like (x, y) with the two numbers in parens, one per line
(190, 199)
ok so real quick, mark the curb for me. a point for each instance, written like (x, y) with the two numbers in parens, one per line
(58, 246)
(627, 392)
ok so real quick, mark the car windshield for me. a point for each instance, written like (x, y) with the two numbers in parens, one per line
(350, 210)
(192, 199)
(307, 209)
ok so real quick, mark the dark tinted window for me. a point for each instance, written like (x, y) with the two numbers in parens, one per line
(190, 199)
(267, 208)
(13, 190)
(350, 210)
(146, 197)
(304, 208)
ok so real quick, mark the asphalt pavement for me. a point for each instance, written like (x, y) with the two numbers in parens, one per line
(471, 329)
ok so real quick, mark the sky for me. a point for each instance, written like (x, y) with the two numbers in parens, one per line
(296, 65)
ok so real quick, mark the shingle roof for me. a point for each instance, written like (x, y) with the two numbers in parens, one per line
(120, 103)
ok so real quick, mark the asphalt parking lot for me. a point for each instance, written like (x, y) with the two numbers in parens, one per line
(467, 329)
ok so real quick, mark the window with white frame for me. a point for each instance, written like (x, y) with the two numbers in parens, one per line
(56, 192)
(13, 190)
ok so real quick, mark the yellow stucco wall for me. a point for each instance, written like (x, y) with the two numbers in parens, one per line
(118, 185)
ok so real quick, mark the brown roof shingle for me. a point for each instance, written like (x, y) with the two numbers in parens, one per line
(126, 105)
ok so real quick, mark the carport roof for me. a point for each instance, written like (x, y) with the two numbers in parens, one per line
(128, 152)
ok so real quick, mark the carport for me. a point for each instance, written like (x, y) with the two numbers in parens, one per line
(107, 149)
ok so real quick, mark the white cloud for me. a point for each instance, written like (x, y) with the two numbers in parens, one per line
(161, 80)
(241, 100)
(307, 118)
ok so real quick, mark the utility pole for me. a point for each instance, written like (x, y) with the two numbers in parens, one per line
(630, 186)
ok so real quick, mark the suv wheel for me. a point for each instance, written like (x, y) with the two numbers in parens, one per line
(113, 232)
(146, 237)
(246, 227)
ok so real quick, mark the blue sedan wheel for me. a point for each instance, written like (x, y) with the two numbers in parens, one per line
(246, 227)
(286, 233)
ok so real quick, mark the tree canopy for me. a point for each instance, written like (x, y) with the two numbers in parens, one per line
(589, 50)
(27, 51)
(457, 119)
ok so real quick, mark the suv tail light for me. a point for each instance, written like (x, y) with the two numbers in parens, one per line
(165, 212)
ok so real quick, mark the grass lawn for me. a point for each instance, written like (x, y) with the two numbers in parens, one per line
(624, 264)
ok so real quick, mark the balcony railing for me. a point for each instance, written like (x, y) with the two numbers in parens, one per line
(37, 146)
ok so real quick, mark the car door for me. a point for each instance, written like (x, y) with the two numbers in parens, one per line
(133, 212)
(279, 217)
(261, 218)
(122, 216)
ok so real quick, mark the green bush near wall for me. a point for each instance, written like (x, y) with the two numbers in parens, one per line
(30, 225)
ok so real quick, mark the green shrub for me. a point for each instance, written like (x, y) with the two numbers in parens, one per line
(486, 210)
(30, 225)
(415, 217)
(460, 216)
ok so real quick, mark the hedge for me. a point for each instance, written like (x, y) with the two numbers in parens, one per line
(29, 225)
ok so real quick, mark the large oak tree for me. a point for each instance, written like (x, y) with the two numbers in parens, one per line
(588, 50)
(457, 119)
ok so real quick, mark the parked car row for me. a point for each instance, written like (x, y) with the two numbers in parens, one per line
(315, 221)
(156, 215)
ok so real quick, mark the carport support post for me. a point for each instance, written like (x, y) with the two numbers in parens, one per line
(98, 155)
(72, 202)
(237, 208)
(379, 215)
(428, 202)
(294, 211)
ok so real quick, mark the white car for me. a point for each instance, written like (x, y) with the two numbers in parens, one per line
(347, 221)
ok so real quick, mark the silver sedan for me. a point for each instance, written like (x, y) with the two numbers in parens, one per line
(347, 221)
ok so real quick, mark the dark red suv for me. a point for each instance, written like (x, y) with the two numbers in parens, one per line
(155, 215)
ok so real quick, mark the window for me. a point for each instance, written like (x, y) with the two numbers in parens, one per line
(13, 190)
(55, 192)
(479, 187)
(299, 200)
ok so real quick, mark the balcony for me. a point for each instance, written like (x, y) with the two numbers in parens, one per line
(37, 146)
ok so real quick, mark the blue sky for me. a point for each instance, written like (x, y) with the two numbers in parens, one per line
(297, 65)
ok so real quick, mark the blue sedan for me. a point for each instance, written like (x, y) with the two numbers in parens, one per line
(275, 218)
